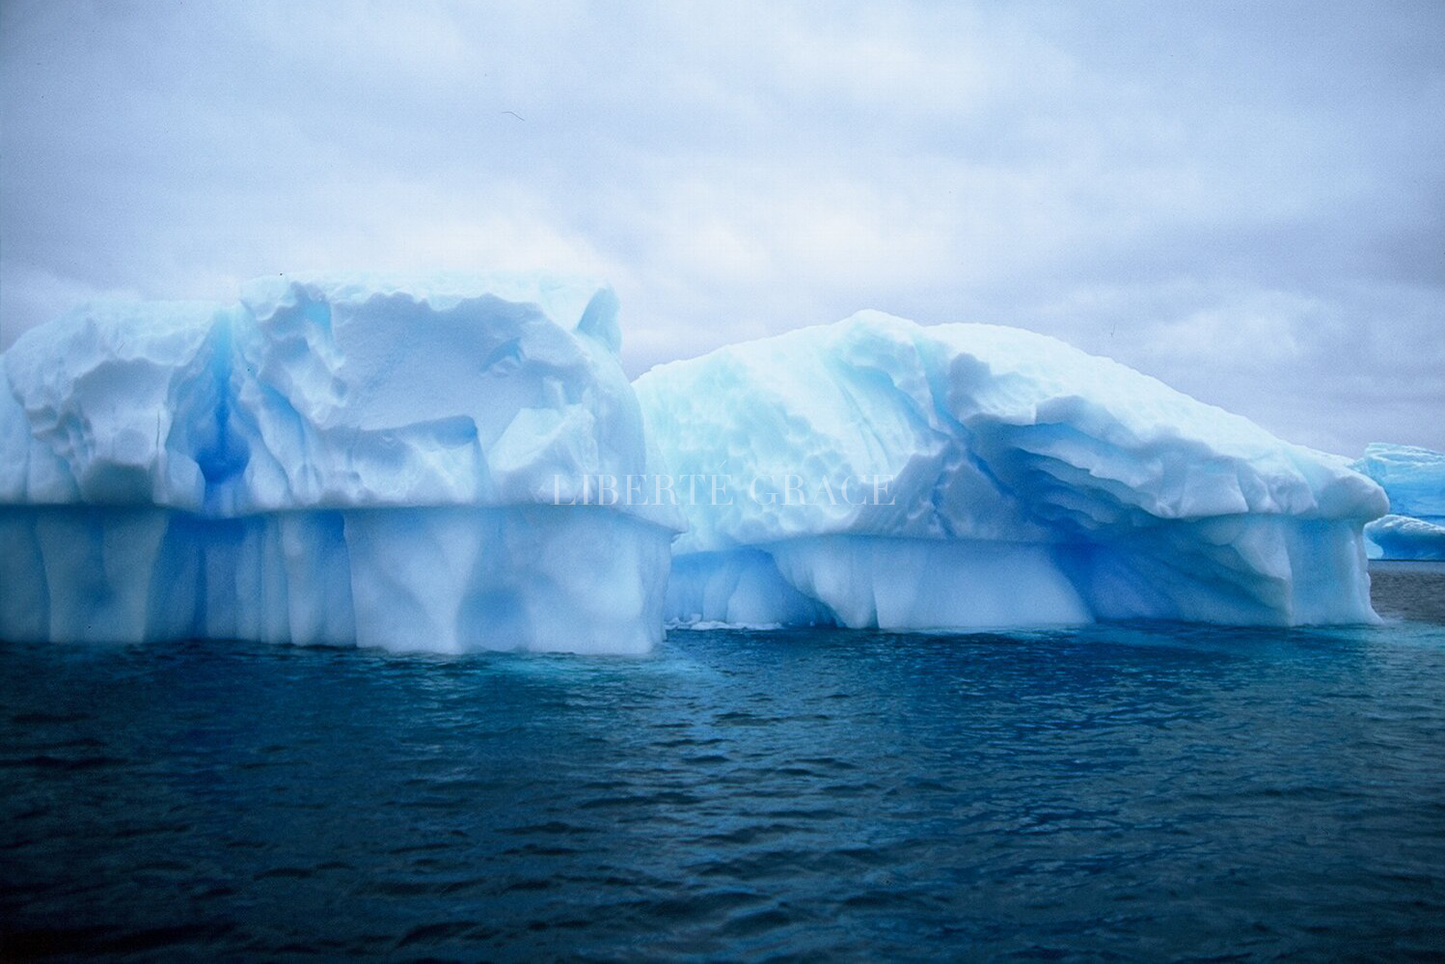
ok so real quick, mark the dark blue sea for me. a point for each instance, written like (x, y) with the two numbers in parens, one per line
(1138, 792)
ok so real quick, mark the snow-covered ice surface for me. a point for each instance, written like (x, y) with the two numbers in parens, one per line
(1414, 480)
(329, 461)
(1031, 484)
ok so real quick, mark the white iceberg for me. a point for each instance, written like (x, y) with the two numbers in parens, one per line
(1414, 481)
(329, 461)
(994, 478)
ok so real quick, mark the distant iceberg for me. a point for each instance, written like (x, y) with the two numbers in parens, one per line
(1028, 483)
(329, 461)
(1405, 537)
(1414, 481)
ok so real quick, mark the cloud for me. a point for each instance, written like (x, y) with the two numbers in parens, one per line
(1242, 200)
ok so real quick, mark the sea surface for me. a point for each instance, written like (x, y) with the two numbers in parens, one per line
(1136, 792)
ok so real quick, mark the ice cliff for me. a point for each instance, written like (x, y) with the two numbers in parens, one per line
(329, 461)
(1028, 483)
(1414, 480)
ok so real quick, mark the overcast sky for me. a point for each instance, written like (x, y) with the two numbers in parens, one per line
(1246, 200)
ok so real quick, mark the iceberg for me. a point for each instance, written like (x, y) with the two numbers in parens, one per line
(330, 461)
(460, 464)
(876, 473)
(1405, 537)
(1414, 481)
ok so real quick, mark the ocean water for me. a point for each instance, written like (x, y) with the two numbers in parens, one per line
(1137, 792)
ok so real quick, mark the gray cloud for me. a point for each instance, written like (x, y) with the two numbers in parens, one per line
(1242, 199)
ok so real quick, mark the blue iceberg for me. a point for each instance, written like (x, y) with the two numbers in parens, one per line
(1414, 481)
(451, 465)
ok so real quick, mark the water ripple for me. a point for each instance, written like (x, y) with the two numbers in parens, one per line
(1134, 792)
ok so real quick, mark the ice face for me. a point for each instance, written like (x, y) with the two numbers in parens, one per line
(329, 461)
(443, 579)
(1030, 483)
